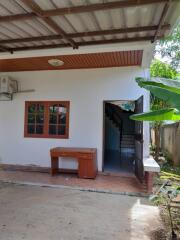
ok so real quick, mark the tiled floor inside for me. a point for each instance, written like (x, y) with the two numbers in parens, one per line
(102, 182)
(116, 162)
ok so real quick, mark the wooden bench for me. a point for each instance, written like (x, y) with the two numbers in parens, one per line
(86, 157)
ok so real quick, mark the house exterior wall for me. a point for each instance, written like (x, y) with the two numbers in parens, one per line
(86, 90)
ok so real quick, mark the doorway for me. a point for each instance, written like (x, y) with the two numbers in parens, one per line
(122, 137)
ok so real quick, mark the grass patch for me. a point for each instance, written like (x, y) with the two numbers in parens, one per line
(168, 168)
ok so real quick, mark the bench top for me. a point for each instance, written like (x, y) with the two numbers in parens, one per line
(150, 165)
(73, 149)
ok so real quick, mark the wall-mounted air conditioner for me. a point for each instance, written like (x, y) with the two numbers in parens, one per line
(7, 85)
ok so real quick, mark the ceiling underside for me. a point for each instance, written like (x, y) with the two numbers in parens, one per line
(39, 24)
(76, 61)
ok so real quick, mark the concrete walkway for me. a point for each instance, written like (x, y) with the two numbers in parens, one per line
(37, 213)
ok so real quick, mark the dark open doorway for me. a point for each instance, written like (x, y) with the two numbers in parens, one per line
(122, 137)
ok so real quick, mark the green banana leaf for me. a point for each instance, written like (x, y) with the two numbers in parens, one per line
(159, 115)
(169, 92)
(167, 82)
(164, 81)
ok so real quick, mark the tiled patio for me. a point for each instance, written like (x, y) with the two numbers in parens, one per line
(107, 183)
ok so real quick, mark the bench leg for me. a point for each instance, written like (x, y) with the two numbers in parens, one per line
(149, 176)
(54, 165)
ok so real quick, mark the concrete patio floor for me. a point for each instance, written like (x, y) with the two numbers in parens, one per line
(119, 184)
(31, 212)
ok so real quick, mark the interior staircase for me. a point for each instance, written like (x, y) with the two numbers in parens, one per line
(113, 112)
(127, 140)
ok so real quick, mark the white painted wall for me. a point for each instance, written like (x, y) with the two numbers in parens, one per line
(86, 90)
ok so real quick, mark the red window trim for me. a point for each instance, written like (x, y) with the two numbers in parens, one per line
(46, 122)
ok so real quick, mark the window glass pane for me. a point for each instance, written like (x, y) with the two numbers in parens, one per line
(53, 119)
(62, 109)
(32, 108)
(61, 130)
(31, 129)
(40, 108)
(40, 118)
(52, 129)
(62, 118)
(54, 108)
(31, 118)
(39, 129)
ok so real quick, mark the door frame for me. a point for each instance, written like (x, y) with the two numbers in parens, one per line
(103, 127)
(139, 169)
(103, 135)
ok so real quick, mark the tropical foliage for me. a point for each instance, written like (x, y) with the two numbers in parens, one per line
(163, 70)
(166, 90)
(170, 47)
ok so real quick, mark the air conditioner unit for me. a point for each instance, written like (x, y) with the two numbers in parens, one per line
(8, 86)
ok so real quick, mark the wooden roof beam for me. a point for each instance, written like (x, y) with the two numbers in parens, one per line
(162, 18)
(99, 6)
(88, 43)
(78, 9)
(39, 12)
(86, 34)
(6, 49)
(17, 17)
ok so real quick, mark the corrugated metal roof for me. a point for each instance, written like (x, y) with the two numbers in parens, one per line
(136, 16)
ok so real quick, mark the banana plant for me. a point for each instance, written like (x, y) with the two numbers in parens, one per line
(165, 89)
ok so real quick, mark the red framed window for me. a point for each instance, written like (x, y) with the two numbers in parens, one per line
(47, 119)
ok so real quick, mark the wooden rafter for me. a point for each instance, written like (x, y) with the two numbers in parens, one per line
(87, 43)
(77, 9)
(87, 34)
(15, 17)
(40, 13)
(5, 49)
(99, 6)
(162, 18)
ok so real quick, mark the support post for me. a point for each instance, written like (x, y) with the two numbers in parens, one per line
(149, 176)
